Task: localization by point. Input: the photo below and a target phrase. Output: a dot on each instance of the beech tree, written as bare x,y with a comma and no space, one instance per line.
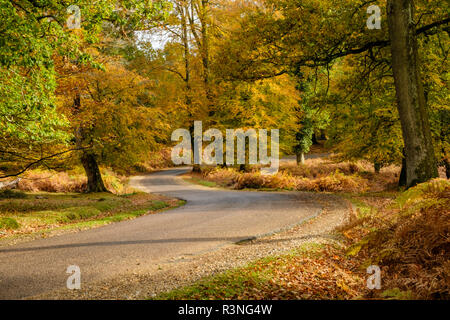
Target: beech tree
420,159
113,120
284,36
32,34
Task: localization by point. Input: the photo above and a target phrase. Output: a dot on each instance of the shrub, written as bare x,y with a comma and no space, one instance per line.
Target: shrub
46,181
315,168
280,181
226,177
250,181
335,182
114,182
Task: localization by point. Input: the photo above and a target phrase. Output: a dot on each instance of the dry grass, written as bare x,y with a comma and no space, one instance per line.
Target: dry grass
316,168
316,175
74,181
224,177
327,175
334,182
37,180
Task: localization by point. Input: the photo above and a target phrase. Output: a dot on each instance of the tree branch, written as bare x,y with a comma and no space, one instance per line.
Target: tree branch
40,161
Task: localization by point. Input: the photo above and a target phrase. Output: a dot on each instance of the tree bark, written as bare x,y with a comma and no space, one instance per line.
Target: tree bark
204,19
402,180
87,158
95,181
202,10
421,163
184,12
314,139
447,167
196,168
323,135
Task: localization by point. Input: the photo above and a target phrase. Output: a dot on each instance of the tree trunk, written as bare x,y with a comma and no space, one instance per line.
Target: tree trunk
314,139
95,181
420,159
447,167
245,168
184,12
204,19
87,158
402,180
300,158
202,10
377,167
323,135
196,168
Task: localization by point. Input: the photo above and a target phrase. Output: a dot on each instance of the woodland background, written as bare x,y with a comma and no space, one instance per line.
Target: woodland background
82,109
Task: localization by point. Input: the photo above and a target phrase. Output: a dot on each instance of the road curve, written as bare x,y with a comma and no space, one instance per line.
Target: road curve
211,218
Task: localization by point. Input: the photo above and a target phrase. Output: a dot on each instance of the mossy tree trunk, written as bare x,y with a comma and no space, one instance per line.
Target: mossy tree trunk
421,163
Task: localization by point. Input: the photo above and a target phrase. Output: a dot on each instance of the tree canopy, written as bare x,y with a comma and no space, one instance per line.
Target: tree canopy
113,85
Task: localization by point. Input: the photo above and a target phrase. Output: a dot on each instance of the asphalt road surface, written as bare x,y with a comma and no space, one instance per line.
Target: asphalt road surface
210,219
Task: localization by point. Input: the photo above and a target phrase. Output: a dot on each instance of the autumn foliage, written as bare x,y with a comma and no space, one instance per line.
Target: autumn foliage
409,238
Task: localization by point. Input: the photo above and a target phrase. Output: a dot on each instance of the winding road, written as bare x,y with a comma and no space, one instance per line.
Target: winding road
211,218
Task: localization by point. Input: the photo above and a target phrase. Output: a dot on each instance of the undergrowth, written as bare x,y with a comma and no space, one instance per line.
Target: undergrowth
315,175
410,239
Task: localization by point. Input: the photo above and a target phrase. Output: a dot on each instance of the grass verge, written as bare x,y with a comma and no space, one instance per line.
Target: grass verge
42,214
